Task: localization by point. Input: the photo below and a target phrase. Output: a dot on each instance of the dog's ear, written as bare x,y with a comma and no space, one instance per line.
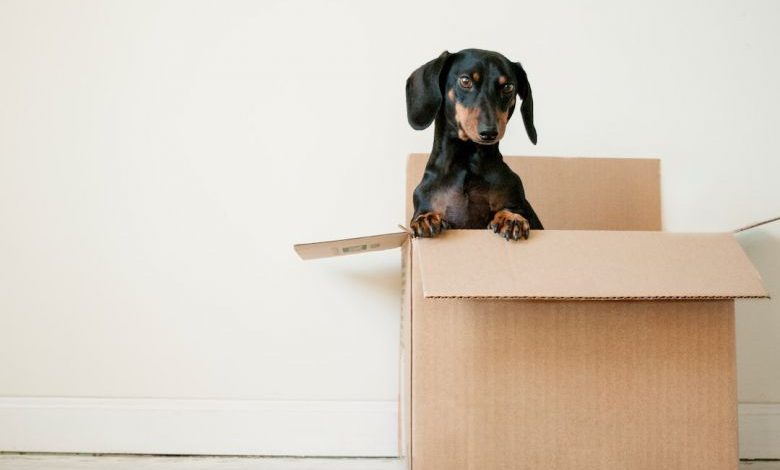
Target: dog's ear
423,93
527,107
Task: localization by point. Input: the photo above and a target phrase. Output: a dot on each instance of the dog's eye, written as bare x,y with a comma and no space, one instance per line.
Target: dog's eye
465,82
508,89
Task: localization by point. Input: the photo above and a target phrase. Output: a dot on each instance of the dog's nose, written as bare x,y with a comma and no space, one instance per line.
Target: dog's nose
488,134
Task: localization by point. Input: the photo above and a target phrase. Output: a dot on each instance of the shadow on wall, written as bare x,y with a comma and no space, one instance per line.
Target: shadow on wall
758,321
762,245
385,280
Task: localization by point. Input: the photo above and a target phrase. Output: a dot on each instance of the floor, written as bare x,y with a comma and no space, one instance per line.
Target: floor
127,462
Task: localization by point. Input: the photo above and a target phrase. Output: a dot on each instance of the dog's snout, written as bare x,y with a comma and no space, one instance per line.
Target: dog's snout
488,133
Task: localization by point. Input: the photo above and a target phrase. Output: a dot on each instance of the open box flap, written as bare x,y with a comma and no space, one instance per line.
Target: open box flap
563,265
350,246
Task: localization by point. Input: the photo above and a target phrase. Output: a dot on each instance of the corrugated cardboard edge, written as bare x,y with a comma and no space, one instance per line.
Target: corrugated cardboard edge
350,246
405,383
757,224
588,265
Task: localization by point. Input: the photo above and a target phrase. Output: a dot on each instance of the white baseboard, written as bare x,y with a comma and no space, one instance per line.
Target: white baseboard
759,431
251,427
202,427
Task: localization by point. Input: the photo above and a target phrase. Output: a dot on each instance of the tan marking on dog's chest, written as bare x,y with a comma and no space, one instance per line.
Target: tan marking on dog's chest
446,198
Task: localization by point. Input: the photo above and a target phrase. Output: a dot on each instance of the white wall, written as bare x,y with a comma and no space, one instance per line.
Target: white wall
159,159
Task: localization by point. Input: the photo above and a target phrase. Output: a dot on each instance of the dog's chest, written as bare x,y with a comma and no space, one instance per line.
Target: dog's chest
465,203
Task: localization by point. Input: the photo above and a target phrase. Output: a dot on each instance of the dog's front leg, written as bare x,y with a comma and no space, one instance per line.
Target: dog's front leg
428,224
510,225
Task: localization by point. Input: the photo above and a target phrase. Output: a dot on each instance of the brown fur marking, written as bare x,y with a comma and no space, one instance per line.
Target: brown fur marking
468,120
475,76
451,95
502,117
448,197
510,225
501,79
427,224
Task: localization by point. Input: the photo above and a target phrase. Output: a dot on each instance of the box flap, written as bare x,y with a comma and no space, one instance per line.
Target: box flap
584,265
576,193
350,246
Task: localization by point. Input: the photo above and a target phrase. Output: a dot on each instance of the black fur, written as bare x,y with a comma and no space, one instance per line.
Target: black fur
470,95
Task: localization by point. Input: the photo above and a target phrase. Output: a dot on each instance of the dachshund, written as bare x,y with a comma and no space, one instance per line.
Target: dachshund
471,95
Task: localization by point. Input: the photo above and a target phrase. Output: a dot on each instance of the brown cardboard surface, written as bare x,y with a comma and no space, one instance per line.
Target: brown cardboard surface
350,246
638,385
580,193
583,264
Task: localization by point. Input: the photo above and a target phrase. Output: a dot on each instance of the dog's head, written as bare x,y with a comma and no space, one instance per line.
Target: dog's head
475,89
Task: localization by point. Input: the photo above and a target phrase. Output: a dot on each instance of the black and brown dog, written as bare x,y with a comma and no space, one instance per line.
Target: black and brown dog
471,95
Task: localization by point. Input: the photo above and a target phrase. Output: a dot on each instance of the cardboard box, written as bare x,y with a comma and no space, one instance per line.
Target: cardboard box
600,343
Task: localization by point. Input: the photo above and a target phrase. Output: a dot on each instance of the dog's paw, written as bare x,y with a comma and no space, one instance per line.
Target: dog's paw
509,225
428,224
